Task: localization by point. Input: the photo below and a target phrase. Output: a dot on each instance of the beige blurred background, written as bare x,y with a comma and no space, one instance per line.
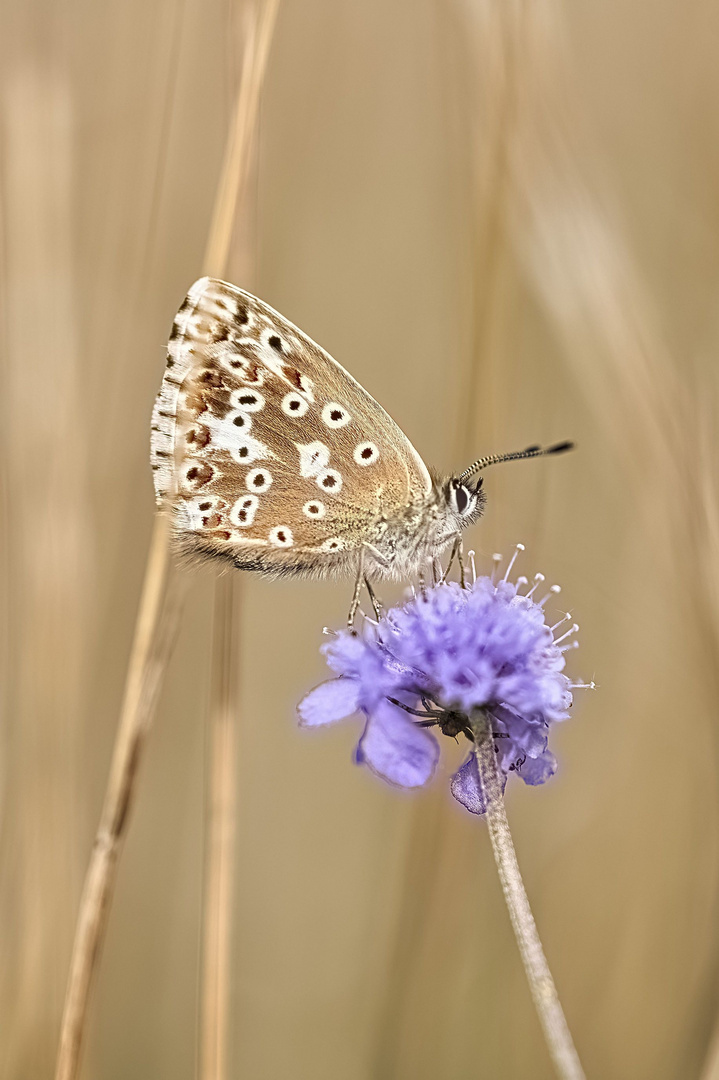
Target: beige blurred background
502,217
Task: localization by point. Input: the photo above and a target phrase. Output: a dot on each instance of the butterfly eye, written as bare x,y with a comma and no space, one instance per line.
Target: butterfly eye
461,498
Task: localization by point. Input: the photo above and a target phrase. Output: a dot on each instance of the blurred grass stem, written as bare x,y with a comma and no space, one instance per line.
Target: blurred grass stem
220,836
541,984
156,626
155,629
219,872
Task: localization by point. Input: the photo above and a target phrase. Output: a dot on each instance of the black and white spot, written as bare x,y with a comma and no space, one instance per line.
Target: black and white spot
334,415
330,480
314,457
258,480
281,536
233,362
244,450
196,474
314,509
247,401
366,453
243,512
239,420
204,511
335,543
294,405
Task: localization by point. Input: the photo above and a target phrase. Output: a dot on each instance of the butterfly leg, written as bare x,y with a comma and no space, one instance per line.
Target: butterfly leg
460,560
373,599
456,553
358,589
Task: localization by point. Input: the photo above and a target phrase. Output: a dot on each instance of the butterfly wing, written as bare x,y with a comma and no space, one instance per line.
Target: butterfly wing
270,453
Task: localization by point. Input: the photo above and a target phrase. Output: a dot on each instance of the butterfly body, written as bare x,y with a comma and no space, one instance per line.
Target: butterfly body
270,455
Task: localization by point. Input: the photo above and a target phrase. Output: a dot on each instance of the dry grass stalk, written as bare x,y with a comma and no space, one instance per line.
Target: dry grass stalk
49,568
157,621
219,836
224,706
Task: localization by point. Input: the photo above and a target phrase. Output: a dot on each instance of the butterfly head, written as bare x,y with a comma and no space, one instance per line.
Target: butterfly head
465,501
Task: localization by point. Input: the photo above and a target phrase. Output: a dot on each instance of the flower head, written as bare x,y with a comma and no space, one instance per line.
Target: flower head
435,660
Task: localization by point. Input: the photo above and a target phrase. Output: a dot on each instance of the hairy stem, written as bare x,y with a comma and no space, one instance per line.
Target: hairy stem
541,984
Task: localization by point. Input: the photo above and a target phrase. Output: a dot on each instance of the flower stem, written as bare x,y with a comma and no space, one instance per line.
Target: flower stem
541,984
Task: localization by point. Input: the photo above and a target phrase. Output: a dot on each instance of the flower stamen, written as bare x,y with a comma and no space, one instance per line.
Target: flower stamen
552,589
538,579
508,571
572,630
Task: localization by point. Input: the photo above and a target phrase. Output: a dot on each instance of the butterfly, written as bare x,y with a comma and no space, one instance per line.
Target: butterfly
273,458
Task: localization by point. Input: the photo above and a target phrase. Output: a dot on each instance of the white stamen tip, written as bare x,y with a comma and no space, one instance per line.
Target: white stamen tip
538,579
326,630
497,557
555,588
560,621
507,572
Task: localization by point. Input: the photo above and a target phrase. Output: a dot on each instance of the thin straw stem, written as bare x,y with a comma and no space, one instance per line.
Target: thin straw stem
219,870
157,622
541,984
220,837
236,165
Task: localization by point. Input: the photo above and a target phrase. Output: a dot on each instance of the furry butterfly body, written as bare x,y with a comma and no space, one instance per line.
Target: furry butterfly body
272,457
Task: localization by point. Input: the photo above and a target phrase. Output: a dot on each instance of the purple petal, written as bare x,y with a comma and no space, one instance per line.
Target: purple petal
466,788
328,702
396,749
538,770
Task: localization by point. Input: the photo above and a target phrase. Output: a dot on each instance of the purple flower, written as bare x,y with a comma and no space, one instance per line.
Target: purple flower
434,660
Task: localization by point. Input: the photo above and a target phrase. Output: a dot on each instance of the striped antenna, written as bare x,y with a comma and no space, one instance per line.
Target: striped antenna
530,452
